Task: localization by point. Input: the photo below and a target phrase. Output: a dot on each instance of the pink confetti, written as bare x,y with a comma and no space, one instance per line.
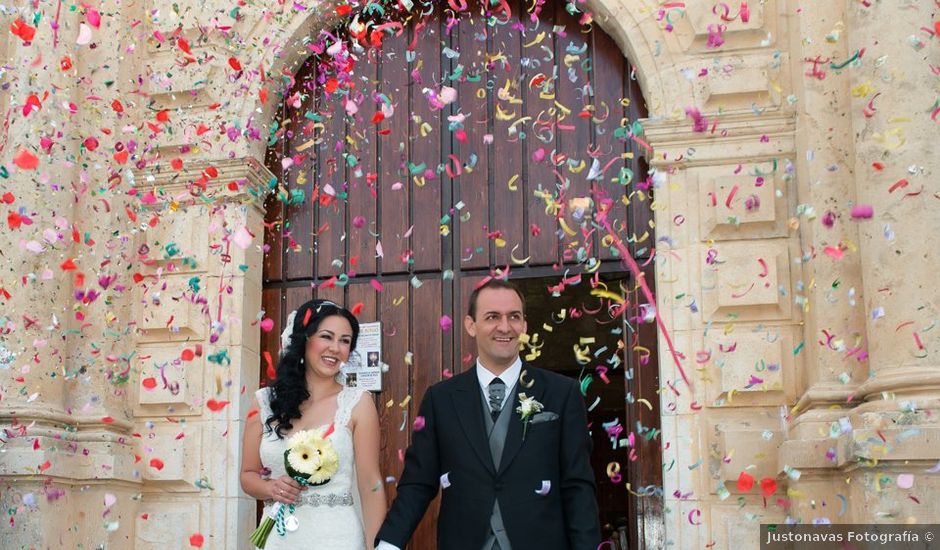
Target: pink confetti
446,323
862,211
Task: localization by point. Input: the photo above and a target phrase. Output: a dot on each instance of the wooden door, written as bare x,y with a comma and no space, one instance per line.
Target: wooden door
396,202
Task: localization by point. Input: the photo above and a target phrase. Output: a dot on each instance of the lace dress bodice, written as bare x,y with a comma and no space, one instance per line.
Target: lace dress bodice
328,515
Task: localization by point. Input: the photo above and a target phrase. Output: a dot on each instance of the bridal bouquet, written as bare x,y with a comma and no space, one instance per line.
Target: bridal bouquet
311,460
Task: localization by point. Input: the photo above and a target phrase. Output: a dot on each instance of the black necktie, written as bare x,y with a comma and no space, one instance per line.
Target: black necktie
497,390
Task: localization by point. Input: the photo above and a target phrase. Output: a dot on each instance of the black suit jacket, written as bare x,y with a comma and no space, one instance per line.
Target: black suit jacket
453,442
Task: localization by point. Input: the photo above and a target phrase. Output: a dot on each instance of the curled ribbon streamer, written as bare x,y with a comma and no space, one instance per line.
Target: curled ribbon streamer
640,277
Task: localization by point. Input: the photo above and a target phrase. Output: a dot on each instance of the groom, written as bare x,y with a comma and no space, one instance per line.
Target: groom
509,480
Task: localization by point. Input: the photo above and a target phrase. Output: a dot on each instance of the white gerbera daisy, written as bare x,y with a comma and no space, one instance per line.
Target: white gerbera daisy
304,458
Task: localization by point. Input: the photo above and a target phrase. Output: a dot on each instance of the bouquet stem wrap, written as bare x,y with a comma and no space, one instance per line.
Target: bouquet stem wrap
274,519
311,460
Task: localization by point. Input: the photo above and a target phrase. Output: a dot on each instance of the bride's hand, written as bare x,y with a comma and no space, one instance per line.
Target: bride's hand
285,490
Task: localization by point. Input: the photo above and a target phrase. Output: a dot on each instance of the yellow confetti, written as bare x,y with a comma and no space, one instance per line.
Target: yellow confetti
607,294
537,40
568,231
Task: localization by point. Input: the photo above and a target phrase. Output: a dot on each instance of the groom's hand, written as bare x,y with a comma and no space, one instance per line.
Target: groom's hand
284,490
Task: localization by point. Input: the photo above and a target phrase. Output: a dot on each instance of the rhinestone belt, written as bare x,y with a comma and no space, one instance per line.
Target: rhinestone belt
327,499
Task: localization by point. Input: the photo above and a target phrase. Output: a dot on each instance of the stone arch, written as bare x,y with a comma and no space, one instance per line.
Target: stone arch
632,26
677,68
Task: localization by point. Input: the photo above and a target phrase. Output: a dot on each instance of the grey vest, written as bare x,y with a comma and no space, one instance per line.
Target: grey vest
497,438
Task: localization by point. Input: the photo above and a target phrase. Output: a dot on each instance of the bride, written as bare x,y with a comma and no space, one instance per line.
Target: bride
346,512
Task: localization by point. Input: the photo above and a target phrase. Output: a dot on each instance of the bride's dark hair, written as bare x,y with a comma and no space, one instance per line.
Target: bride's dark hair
289,387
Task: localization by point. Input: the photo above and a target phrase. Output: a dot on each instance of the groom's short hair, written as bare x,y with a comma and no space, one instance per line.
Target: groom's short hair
493,283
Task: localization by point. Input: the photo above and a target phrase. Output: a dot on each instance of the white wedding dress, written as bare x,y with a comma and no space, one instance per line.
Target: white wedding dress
329,517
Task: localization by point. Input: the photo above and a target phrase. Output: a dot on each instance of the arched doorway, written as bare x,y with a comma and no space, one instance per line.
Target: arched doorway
469,144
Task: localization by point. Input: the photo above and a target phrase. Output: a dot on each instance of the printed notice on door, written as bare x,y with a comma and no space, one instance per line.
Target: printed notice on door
364,369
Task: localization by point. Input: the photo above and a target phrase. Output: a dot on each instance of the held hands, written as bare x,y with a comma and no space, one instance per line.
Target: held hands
285,490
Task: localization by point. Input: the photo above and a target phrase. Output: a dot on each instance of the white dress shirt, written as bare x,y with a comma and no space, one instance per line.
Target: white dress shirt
509,377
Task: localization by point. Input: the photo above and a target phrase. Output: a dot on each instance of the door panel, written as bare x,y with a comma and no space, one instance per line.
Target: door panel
409,204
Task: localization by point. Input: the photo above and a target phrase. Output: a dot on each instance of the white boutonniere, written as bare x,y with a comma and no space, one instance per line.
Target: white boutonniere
528,407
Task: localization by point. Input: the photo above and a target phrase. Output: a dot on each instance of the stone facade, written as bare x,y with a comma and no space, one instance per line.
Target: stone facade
810,349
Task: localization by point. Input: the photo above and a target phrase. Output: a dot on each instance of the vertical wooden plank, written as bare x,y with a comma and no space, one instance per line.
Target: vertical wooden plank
537,71
271,341
394,188
640,212
363,178
647,470
426,150
508,204
331,183
467,351
274,216
300,228
472,187
574,132
427,361
332,293
362,293
294,297
395,386
608,77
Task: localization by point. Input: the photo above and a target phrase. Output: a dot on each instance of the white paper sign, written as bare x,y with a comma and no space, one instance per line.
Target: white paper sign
364,369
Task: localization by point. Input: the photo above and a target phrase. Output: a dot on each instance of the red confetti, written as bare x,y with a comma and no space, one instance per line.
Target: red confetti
45,466
32,104
107,420
8,198
196,540
183,45
216,406
24,31
269,372
745,482
234,64
149,383
187,355
768,486
14,220
156,464
65,63
68,265
25,160
177,164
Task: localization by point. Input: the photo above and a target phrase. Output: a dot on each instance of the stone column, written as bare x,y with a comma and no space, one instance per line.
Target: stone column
831,293
198,355
893,115
65,462
896,168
